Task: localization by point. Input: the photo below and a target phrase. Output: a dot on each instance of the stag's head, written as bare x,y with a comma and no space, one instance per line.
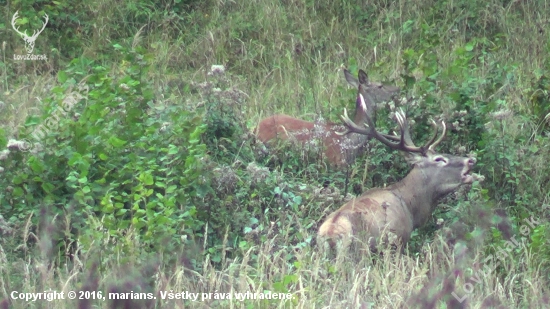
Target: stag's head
442,173
371,92
378,92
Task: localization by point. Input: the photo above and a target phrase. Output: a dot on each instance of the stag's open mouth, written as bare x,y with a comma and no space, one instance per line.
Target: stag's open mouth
466,176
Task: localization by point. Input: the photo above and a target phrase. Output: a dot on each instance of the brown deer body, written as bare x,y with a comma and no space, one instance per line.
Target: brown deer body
398,209
338,149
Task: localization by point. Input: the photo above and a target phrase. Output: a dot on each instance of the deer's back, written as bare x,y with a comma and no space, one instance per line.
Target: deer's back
368,215
280,126
322,135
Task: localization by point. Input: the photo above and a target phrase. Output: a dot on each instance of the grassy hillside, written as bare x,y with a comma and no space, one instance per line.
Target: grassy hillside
139,171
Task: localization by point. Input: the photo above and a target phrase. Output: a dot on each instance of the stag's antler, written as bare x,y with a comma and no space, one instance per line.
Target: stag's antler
402,142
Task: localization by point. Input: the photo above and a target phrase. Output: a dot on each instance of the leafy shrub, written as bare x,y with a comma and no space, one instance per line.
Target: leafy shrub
106,153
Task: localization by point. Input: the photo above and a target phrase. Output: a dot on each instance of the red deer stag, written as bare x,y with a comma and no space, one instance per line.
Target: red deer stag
399,208
339,150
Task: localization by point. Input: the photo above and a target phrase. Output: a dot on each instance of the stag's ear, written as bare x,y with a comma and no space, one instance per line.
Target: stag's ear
363,78
350,79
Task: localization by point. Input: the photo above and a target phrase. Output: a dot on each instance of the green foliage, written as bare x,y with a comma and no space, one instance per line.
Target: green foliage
539,98
80,24
115,159
3,138
539,237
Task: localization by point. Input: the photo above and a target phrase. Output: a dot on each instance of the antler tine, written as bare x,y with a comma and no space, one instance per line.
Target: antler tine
431,144
391,137
404,125
387,139
351,127
428,145
345,119
404,141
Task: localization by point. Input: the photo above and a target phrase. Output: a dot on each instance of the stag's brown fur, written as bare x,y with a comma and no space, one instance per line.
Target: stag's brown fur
339,150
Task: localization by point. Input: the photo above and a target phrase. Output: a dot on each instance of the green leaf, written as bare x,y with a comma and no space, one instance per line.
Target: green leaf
75,158
18,192
173,150
36,165
62,77
17,180
47,187
148,179
290,279
116,142
3,139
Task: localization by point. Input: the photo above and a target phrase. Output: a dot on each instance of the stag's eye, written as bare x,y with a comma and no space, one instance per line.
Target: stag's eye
440,159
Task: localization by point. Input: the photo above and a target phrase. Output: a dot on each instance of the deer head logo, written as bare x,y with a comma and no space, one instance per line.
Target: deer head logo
29,40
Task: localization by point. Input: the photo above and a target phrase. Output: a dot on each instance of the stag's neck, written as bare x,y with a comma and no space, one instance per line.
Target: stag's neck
418,192
364,112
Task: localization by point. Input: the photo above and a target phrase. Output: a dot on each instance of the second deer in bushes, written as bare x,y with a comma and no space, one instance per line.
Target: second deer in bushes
339,150
394,211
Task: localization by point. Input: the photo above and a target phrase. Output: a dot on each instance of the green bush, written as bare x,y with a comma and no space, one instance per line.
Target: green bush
108,152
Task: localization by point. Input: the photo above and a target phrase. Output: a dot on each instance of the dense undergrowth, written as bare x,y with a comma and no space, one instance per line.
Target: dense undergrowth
140,170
